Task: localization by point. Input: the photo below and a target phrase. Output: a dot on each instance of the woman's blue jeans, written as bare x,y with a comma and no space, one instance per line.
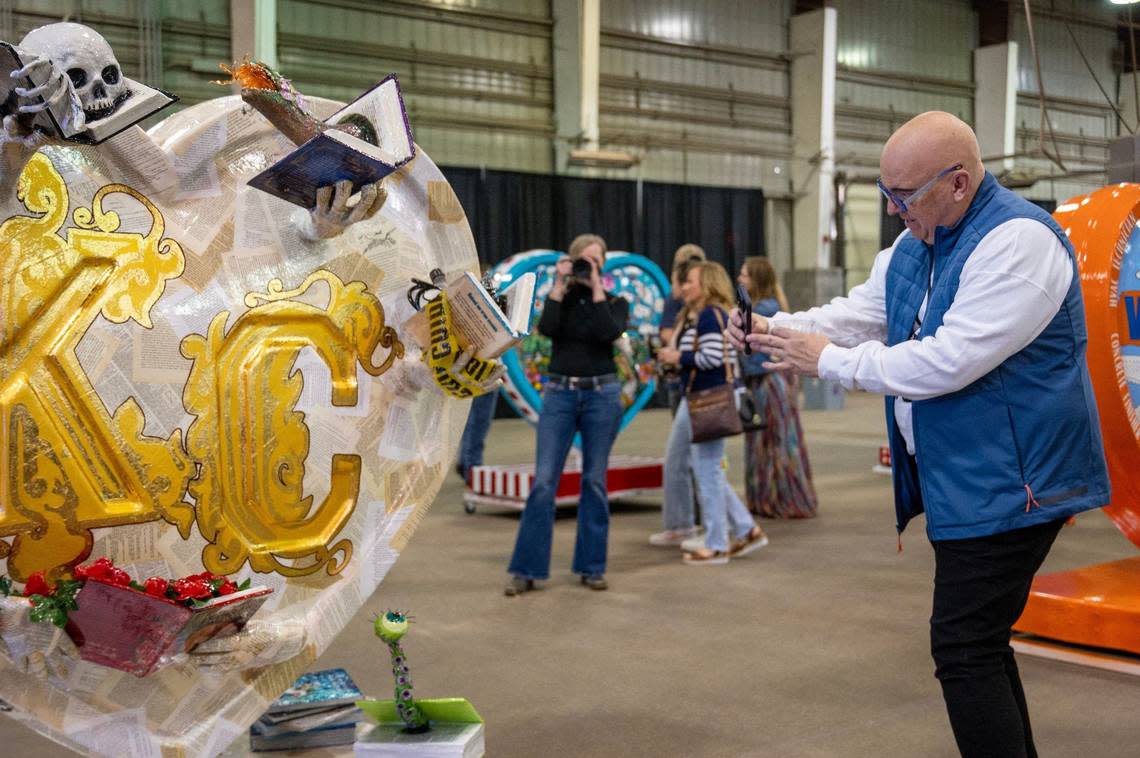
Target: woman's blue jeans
677,505
596,414
475,432
721,506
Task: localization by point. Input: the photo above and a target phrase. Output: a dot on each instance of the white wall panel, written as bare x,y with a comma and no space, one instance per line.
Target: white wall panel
1064,72
476,74
698,90
926,37
757,24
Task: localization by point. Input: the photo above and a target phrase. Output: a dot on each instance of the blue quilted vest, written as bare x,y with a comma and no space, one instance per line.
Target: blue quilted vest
1019,446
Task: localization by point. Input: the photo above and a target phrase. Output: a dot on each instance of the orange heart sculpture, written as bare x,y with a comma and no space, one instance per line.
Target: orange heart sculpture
1102,228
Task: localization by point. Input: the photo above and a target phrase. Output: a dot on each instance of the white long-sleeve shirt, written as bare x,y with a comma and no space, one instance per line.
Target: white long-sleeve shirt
1010,288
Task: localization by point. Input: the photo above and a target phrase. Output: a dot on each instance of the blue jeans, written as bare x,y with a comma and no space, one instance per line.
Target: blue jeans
475,432
677,505
597,415
721,508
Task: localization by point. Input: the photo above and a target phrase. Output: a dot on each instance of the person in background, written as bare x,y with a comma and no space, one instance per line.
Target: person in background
973,326
475,433
581,395
685,256
681,509
703,356
777,474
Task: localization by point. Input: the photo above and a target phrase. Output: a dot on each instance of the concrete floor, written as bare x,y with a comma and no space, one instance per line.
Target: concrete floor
815,647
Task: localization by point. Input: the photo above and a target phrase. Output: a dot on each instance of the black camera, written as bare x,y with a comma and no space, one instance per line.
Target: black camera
581,270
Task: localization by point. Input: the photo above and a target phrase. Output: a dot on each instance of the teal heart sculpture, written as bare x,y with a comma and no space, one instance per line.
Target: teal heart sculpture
634,277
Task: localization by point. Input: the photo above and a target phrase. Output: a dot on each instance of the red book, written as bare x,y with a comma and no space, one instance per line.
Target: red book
130,630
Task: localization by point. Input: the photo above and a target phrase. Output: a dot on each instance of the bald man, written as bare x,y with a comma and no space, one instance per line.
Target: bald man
972,325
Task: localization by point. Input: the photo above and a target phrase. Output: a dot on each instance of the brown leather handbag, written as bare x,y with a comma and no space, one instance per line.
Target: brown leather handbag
713,413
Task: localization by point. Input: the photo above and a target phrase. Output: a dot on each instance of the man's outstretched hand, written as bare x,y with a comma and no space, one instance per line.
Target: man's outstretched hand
790,350
735,330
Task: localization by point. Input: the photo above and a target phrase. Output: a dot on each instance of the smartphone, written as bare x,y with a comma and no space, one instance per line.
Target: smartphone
744,304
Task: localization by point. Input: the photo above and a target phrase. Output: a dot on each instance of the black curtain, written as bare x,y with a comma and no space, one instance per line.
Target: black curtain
513,211
727,222
601,206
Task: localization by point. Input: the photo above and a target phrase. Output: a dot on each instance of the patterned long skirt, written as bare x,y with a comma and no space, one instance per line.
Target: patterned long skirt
777,474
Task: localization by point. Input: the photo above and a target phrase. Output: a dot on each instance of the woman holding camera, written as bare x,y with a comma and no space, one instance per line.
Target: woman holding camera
703,355
777,474
581,395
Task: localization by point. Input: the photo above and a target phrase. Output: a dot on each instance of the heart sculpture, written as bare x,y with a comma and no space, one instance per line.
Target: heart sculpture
1106,239
634,277
187,384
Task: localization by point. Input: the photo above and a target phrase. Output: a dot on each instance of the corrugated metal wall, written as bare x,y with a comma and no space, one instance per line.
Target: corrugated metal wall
195,39
895,59
476,75
698,89
1082,120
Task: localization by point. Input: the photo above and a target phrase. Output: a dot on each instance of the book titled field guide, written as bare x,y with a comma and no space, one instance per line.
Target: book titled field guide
334,155
481,324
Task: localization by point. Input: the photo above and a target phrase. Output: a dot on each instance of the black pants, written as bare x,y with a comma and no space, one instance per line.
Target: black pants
981,586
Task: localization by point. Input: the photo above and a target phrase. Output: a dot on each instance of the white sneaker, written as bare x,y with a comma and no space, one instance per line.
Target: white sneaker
693,544
672,537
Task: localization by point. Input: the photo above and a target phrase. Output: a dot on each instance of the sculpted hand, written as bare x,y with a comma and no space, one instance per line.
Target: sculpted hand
332,214
54,91
791,350
259,643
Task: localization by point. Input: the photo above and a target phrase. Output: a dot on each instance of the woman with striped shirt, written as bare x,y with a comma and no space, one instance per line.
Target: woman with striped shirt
702,353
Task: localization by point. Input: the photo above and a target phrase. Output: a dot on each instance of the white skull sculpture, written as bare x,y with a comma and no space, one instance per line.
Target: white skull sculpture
87,59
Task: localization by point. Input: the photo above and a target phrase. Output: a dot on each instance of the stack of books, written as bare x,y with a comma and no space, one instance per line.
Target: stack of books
456,731
443,741
317,711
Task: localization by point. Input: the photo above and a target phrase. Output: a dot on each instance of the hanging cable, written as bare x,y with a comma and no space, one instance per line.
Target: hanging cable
1055,156
1092,73
1135,73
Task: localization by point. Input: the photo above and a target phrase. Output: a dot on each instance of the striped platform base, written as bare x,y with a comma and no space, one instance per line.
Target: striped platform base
508,486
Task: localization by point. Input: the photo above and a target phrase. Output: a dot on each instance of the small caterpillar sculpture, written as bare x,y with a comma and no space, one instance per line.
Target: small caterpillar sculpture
390,627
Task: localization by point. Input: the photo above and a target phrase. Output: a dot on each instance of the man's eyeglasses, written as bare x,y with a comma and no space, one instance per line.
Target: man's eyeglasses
906,198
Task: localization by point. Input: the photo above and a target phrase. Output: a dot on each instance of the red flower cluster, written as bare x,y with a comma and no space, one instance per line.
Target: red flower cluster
200,587
36,585
103,570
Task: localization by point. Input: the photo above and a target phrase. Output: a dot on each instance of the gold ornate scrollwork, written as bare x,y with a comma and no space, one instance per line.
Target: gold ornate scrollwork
67,465
251,444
